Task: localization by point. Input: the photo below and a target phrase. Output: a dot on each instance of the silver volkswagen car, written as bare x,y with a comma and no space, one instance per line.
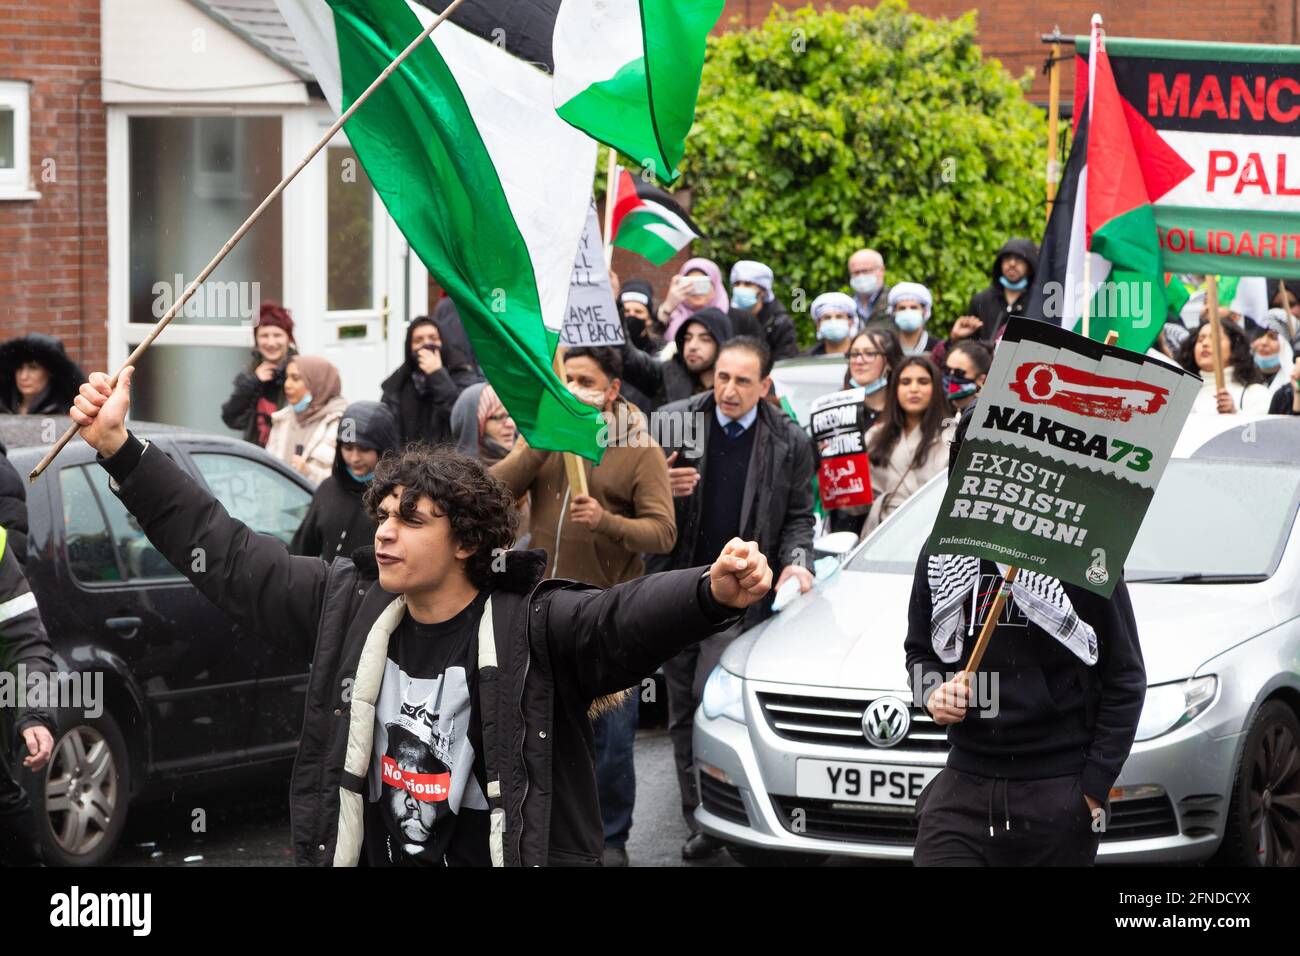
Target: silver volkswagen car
808,746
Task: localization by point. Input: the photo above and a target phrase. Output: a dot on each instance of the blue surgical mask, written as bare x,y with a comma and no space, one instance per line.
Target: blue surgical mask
364,479
1269,363
1014,286
872,387
301,407
743,298
864,283
909,320
833,330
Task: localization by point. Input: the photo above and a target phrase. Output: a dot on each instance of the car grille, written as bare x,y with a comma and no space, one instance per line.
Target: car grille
1141,819
722,800
855,823
838,721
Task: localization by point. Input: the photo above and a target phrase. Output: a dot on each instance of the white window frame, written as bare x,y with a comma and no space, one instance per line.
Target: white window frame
16,183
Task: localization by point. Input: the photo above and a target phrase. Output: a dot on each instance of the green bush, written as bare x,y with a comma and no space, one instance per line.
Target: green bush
818,133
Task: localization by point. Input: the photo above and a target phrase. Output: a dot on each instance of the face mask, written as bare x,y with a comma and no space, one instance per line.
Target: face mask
909,320
833,330
1015,286
864,283
364,479
872,387
301,407
742,298
1269,363
588,396
958,387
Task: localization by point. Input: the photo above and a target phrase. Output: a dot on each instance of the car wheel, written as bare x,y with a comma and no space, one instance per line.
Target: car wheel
752,856
1263,826
80,799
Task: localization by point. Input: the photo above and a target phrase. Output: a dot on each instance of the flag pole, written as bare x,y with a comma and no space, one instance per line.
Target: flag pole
611,192
1212,303
239,234
1087,286
1053,109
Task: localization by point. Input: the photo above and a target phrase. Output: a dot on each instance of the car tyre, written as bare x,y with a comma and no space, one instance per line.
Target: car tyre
753,856
80,799
1263,827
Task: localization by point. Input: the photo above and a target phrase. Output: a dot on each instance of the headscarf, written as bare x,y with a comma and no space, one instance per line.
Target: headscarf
683,310
469,418
911,290
322,380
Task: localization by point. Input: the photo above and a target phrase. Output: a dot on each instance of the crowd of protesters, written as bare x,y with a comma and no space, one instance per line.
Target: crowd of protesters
704,351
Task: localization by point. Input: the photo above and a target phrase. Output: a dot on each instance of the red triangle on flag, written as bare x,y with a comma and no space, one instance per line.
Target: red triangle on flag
1129,163
625,199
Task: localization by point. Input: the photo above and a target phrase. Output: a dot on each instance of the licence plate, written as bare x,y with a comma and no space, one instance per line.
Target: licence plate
862,782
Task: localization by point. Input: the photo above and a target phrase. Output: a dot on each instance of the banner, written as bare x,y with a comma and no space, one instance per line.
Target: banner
843,473
1067,443
591,317
1218,121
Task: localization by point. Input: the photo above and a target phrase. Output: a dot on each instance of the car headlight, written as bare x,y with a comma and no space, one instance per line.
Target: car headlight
1169,706
723,695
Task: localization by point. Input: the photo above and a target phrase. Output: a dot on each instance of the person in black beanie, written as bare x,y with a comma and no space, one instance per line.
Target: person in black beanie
1040,734
258,393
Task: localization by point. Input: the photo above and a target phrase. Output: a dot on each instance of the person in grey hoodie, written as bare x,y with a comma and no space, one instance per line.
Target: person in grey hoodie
337,523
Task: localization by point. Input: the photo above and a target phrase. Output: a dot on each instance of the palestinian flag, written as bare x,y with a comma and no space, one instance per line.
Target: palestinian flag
1117,168
648,221
487,183
626,71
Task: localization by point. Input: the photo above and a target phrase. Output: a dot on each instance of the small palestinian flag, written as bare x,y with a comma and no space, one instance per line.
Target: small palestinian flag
649,222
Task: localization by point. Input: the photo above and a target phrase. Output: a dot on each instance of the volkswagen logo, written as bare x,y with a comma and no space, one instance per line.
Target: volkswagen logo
885,721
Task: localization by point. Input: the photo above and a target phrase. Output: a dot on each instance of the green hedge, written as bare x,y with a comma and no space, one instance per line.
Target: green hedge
818,133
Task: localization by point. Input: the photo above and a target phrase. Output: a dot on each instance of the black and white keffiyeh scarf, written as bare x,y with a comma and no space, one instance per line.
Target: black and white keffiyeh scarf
954,579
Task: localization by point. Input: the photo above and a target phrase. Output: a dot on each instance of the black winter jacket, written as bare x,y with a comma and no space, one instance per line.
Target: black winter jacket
22,635
426,418
778,508
1055,715
13,506
989,305
670,381
556,646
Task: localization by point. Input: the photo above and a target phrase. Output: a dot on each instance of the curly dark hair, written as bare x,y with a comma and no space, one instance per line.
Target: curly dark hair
480,508
1239,357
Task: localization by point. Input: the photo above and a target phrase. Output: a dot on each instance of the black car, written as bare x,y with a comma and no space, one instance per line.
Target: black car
188,696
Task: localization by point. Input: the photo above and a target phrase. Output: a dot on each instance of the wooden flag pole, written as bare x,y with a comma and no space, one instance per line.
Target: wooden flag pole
1053,108
1212,302
574,469
611,192
256,214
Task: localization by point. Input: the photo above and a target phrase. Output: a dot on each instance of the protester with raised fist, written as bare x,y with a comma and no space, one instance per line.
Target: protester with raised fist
441,630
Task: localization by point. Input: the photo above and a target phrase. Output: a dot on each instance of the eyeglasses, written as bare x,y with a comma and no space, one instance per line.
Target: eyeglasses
499,417
859,354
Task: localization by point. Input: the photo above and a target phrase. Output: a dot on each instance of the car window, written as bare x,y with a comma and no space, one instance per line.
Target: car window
254,493
143,561
91,555
894,547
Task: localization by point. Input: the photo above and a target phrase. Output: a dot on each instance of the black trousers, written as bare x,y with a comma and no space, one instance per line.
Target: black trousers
968,820
18,841
685,675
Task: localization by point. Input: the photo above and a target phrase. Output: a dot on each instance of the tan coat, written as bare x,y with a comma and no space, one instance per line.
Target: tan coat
897,480
631,484
317,438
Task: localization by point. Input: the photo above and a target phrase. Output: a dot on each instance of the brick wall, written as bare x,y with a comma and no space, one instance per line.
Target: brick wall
54,255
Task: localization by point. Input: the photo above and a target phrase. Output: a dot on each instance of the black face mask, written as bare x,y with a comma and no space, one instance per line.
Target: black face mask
957,386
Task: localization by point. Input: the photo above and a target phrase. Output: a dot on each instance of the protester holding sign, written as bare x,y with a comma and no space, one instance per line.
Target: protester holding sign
1242,381
909,445
1040,734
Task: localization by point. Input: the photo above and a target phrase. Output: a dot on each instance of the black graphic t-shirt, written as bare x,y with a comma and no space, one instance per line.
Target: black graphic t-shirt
425,801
